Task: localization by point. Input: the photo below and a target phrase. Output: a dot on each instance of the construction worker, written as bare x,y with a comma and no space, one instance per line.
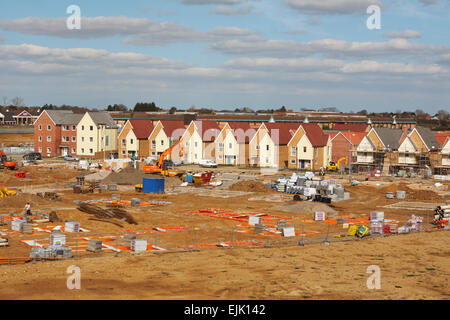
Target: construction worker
28,209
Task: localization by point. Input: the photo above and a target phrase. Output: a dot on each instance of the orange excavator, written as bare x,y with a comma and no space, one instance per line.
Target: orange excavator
5,163
161,166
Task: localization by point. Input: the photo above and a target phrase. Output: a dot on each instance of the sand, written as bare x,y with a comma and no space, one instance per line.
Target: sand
250,186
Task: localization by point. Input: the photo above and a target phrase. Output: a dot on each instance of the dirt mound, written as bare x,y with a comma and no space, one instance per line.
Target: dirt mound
19,201
250,186
127,176
412,194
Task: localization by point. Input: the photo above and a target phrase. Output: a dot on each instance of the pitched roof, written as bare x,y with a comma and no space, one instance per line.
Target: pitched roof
242,131
355,138
315,134
282,132
389,136
208,130
355,127
102,118
428,138
442,138
173,128
142,128
64,117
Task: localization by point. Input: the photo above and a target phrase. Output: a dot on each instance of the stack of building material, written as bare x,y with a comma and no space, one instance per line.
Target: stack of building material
27,228
17,224
400,194
61,251
319,216
57,238
390,195
94,245
288,232
377,222
37,252
112,187
415,223
135,202
260,228
252,220
138,245
72,226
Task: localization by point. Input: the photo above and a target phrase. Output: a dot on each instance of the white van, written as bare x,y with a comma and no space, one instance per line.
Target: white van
207,163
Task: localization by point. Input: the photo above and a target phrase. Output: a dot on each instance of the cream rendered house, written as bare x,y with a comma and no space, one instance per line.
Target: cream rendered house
407,152
96,132
192,144
365,151
231,145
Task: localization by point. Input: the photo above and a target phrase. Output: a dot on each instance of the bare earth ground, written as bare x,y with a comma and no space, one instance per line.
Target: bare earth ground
14,139
415,266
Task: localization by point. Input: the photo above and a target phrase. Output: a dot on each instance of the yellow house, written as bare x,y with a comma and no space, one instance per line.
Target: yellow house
163,135
96,132
133,140
268,147
198,141
309,148
231,145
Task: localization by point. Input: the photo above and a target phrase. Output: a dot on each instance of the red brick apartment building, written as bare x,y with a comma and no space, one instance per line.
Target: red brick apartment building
55,133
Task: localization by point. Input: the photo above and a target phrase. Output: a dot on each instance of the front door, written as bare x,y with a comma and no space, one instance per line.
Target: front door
302,164
65,151
228,160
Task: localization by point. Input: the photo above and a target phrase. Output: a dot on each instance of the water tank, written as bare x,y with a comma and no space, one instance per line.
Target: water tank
153,185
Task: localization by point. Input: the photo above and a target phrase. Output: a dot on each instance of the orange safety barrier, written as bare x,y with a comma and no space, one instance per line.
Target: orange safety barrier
252,243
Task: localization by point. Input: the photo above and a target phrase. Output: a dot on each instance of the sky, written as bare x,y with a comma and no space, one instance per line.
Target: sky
228,54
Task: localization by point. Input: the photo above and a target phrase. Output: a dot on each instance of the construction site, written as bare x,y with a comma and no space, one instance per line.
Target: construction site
189,232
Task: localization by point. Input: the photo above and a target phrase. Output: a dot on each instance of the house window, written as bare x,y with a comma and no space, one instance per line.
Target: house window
74,139
195,144
40,138
82,139
230,145
123,152
82,128
293,151
107,141
49,139
91,151
365,154
220,147
40,127
124,142
257,147
293,161
91,128
195,156
153,153
49,127
267,147
49,150
267,160
153,143
91,139
162,142
66,128
131,141
304,149
74,128
40,149
220,156
73,150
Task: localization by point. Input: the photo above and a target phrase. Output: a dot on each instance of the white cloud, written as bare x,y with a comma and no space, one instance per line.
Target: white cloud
331,6
136,31
231,11
207,2
406,34
327,47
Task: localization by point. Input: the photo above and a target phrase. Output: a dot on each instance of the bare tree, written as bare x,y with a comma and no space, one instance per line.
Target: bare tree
443,115
17,101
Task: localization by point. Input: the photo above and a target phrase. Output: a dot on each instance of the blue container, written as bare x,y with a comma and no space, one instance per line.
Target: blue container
189,178
153,185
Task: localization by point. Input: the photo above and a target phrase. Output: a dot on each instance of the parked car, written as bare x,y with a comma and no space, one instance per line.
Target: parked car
207,163
71,158
32,156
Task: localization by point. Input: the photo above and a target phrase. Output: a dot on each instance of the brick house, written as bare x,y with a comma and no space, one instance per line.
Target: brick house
344,144
55,133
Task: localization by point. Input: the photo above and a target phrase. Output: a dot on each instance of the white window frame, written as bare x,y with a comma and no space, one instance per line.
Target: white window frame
40,138
49,139
40,127
293,151
74,139
49,150
49,127
91,151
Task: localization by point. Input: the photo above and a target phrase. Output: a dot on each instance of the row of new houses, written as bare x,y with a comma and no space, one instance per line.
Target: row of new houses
270,144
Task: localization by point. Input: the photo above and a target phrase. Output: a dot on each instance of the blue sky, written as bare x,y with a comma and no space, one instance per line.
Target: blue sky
228,54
